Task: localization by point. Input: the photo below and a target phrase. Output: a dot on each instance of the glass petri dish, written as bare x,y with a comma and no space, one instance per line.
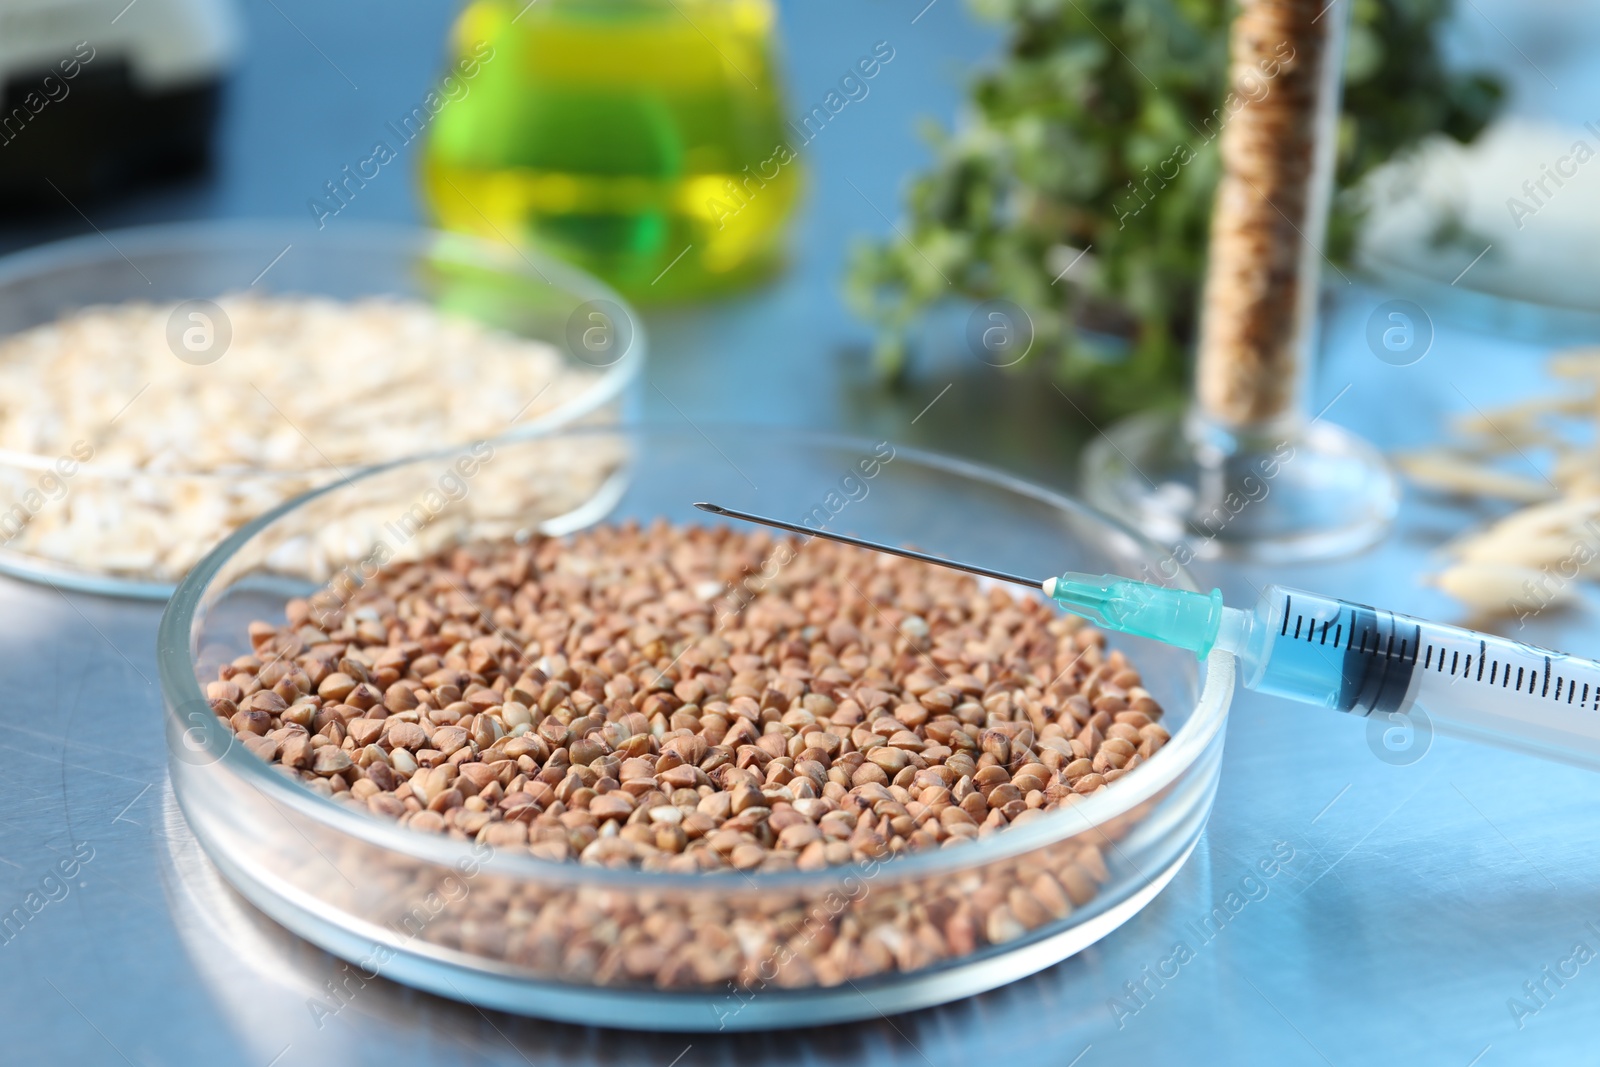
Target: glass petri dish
450,916
1462,232
93,511
1496,312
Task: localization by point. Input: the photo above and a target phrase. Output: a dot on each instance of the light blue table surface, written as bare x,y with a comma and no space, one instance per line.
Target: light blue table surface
1419,899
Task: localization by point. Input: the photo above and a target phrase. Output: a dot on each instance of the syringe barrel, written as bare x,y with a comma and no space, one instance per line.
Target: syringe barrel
1350,657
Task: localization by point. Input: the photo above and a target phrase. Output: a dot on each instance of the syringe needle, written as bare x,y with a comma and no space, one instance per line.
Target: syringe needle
1176,616
858,542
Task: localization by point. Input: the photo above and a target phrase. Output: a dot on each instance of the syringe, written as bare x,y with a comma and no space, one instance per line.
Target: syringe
1349,657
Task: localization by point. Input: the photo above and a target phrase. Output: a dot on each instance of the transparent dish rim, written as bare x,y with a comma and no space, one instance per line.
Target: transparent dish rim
1481,310
175,651
212,235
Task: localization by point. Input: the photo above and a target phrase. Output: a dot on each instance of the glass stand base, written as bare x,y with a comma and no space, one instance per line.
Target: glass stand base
1281,493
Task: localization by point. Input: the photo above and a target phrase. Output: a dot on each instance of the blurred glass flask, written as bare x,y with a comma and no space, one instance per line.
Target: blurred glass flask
639,139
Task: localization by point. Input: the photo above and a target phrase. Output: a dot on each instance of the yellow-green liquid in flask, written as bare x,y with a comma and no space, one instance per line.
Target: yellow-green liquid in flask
639,139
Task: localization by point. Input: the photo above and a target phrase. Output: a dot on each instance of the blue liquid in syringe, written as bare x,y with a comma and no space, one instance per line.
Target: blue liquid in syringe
1353,658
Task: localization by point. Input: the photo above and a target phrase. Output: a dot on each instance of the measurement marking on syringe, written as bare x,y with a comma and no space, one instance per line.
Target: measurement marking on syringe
1390,643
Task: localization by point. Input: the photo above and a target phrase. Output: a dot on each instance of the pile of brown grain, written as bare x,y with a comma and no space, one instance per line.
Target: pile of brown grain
641,697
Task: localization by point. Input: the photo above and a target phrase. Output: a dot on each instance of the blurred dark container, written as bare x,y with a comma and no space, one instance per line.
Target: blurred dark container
98,97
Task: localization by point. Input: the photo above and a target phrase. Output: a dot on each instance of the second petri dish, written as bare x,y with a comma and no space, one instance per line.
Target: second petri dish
353,883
